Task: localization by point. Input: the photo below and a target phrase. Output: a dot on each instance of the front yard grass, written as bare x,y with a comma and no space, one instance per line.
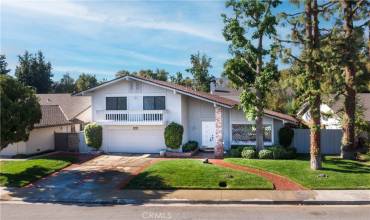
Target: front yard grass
21,173
338,173
193,174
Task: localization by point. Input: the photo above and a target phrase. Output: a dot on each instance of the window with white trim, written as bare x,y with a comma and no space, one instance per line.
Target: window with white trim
244,133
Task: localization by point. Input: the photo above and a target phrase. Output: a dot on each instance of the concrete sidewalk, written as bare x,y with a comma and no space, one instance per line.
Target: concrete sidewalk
328,197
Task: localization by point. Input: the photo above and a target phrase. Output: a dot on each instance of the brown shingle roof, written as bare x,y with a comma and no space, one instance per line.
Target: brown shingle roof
52,115
71,105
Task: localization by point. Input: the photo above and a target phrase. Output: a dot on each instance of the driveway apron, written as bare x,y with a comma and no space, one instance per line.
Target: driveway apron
98,178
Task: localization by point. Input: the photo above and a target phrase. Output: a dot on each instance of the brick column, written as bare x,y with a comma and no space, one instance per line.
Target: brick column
219,148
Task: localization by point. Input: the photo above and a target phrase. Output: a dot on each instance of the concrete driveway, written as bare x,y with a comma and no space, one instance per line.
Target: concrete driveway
100,177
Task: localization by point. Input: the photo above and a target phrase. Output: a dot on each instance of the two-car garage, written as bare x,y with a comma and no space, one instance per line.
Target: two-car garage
133,139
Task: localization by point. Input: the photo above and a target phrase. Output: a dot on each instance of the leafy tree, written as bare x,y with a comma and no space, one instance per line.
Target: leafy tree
34,71
252,68
3,65
161,74
20,110
180,80
85,81
122,73
282,96
158,74
199,70
65,85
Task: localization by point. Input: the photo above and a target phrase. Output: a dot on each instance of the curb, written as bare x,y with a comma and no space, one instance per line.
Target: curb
191,202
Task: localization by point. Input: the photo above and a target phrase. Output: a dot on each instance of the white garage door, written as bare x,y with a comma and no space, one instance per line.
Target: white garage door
146,139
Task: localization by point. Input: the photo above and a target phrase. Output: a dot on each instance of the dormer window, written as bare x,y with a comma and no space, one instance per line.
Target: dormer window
154,103
116,103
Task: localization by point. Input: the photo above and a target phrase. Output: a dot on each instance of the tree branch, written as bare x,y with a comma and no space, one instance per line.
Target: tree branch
358,5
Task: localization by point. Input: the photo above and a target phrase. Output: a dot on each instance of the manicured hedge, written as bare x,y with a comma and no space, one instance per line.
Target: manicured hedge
249,153
280,152
190,146
265,154
94,135
173,135
286,135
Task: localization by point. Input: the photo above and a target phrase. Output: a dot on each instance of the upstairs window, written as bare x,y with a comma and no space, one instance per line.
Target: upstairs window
154,103
116,103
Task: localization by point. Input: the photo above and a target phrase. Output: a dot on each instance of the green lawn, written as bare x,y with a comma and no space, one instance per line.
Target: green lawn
340,174
193,174
21,173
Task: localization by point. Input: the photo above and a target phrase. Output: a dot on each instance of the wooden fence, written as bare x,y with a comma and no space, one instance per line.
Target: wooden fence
330,140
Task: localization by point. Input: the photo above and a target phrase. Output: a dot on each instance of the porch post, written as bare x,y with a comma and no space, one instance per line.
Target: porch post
219,149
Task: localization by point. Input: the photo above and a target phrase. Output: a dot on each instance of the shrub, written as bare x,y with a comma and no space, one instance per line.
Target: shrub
286,135
265,154
190,146
94,135
235,152
249,153
173,135
291,152
280,152
241,147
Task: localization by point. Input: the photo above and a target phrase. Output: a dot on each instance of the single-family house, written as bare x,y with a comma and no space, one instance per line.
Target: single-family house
134,112
61,113
331,112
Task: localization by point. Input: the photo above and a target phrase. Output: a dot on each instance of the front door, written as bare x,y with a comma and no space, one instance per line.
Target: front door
208,133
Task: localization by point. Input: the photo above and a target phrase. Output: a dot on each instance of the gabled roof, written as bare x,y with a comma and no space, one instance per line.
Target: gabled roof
223,101
178,88
363,100
72,106
52,115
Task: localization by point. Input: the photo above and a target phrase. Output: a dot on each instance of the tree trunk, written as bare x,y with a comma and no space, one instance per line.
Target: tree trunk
315,151
259,132
259,108
348,141
313,47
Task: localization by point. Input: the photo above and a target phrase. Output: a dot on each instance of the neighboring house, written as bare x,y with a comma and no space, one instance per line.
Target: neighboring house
61,113
330,113
76,108
134,112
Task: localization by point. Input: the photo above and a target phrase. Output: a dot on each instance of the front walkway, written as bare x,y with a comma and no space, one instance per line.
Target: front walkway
279,182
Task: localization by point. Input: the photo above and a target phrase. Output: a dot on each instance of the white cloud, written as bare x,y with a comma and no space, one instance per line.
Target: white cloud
55,8
139,19
152,59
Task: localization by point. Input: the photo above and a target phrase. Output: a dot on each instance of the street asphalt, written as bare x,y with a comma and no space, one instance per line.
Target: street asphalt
22,211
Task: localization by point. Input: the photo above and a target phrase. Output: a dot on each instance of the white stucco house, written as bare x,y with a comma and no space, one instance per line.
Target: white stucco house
134,112
331,113
61,113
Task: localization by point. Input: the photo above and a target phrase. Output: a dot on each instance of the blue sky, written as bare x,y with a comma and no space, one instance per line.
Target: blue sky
103,37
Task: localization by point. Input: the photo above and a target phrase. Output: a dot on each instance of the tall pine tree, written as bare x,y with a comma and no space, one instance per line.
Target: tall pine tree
34,71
